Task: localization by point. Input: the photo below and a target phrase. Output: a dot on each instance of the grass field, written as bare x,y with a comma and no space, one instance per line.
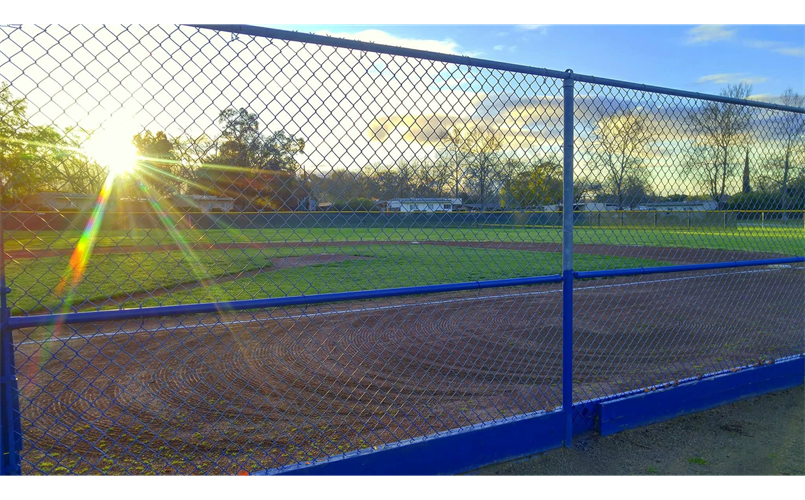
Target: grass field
161,277
786,240
162,274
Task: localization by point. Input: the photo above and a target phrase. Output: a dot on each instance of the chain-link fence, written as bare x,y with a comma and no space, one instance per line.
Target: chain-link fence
240,249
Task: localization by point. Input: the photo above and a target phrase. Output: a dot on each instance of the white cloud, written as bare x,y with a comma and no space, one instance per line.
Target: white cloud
710,33
510,48
761,44
725,78
791,51
764,98
542,29
776,47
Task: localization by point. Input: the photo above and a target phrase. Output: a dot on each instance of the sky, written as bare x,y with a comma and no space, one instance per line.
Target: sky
356,109
699,58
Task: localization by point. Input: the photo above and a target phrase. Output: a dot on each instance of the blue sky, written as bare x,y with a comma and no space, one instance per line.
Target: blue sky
699,58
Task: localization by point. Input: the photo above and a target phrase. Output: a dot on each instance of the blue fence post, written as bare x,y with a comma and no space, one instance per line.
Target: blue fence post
10,431
567,262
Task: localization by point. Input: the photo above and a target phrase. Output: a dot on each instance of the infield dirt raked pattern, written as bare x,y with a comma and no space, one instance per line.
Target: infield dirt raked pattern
255,390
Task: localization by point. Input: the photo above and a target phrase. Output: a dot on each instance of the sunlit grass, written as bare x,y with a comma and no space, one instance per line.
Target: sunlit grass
170,278
789,241
396,266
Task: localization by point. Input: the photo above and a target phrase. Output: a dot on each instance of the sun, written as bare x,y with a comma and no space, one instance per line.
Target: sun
112,147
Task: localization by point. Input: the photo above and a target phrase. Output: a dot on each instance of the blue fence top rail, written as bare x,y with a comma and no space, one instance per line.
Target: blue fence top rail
481,63
17,322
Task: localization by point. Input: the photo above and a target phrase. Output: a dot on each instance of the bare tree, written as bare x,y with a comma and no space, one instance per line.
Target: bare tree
720,128
454,156
584,187
482,171
793,129
622,144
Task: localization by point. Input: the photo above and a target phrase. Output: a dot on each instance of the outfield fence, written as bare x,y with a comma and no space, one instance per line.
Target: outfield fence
349,258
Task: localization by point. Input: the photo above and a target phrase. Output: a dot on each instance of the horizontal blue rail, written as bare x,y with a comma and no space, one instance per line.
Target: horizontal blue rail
17,322
636,271
329,41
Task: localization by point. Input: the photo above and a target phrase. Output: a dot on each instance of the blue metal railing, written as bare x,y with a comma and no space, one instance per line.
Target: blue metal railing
17,322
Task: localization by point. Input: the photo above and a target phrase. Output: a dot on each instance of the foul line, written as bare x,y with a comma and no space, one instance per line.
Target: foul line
377,308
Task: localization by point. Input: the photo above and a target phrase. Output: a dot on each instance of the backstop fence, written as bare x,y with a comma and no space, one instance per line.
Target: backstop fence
229,249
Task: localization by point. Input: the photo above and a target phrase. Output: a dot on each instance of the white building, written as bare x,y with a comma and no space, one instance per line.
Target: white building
682,206
583,207
422,204
59,201
204,203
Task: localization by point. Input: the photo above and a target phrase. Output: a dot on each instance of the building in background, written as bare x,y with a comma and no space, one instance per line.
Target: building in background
59,201
420,205
204,203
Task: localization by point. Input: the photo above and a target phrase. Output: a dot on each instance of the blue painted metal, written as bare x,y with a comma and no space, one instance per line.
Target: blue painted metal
10,429
663,404
10,425
17,322
634,271
471,61
567,259
475,446
454,452
567,355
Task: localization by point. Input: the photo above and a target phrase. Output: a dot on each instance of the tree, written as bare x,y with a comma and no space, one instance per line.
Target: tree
37,158
256,170
483,149
747,186
720,128
793,129
153,147
623,140
584,188
536,185
454,156
22,147
70,170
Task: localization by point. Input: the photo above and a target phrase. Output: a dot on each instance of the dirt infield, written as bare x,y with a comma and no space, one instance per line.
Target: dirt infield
249,391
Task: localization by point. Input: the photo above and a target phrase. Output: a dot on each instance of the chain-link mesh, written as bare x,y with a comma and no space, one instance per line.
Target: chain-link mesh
172,165
162,166
686,181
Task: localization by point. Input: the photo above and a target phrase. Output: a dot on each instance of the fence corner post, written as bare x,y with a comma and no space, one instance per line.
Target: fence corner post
10,432
567,259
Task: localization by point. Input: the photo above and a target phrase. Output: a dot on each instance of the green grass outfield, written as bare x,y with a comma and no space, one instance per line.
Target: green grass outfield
750,237
171,276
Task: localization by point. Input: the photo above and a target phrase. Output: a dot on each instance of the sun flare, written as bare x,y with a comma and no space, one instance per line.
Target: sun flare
112,147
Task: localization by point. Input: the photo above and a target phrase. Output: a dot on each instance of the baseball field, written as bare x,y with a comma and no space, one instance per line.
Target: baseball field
232,392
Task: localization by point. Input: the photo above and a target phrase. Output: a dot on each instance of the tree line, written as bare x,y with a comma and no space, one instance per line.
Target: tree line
259,169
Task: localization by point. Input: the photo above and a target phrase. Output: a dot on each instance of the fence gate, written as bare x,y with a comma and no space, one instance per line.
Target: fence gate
233,250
